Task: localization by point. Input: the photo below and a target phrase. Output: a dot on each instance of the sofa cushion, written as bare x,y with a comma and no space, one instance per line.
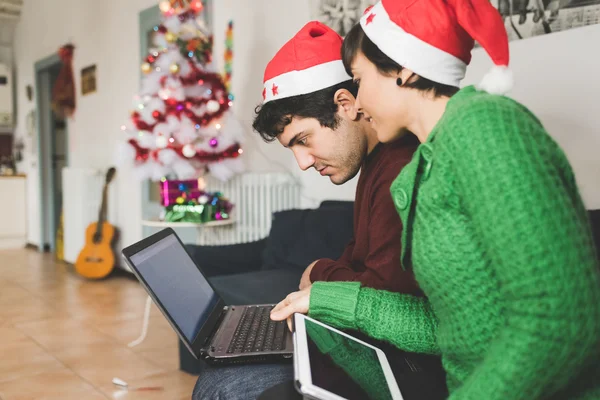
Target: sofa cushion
259,287
228,259
298,237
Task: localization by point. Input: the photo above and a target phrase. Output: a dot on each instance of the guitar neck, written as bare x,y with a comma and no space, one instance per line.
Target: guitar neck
102,213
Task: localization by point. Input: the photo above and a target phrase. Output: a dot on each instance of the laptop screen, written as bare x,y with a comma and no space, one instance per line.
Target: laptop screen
177,283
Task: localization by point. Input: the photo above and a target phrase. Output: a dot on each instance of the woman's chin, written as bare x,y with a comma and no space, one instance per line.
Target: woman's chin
387,136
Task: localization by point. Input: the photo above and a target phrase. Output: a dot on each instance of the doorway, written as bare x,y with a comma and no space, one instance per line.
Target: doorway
52,154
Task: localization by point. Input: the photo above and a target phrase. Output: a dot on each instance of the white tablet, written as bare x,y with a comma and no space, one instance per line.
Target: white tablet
331,365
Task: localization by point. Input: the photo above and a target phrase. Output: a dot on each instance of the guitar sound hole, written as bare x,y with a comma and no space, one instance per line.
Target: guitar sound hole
94,259
97,238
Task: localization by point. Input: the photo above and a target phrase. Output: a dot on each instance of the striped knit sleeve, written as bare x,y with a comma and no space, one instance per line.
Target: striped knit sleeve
406,321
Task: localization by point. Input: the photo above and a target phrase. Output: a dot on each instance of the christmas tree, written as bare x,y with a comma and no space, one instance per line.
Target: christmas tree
182,126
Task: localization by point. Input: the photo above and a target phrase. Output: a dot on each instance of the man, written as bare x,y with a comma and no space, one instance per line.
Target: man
309,108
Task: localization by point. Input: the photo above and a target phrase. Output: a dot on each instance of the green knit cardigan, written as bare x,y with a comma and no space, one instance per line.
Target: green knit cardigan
499,240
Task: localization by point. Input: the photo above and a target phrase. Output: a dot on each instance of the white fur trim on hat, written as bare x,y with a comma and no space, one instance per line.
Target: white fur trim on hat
409,51
309,80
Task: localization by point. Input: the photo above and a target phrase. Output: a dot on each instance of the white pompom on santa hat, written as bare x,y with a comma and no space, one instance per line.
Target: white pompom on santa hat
308,62
434,38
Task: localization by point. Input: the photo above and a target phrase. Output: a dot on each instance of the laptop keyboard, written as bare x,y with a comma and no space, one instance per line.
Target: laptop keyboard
256,332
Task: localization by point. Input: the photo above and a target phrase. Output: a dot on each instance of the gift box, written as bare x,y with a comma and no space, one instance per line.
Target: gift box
171,190
184,201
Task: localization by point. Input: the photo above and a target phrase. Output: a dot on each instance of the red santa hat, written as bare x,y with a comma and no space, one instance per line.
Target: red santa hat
308,62
434,38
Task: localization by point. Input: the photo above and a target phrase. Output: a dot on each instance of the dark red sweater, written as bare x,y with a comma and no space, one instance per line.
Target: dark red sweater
373,255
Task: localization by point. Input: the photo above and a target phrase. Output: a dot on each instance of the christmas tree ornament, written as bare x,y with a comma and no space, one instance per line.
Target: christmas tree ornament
174,68
196,6
162,142
213,106
146,68
164,6
214,142
189,151
171,37
178,3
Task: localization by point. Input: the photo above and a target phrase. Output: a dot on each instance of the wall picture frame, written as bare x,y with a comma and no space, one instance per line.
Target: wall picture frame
88,80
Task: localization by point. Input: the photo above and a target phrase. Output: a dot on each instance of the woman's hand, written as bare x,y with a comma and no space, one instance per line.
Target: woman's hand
296,302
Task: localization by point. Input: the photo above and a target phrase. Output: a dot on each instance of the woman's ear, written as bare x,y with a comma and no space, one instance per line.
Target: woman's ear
406,76
346,101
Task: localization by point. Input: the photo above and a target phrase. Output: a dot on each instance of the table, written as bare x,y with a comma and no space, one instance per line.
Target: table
201,237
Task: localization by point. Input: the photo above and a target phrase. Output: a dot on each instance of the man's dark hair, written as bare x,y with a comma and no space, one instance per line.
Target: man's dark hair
357,40
272,118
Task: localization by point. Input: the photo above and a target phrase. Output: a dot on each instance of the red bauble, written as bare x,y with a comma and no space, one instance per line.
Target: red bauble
156,114
196,6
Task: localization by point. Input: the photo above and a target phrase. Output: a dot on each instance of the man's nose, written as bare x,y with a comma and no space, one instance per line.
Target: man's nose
304,159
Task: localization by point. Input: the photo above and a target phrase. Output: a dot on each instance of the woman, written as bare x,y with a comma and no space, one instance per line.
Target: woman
494,226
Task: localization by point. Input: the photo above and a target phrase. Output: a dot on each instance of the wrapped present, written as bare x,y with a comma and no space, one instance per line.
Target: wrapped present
184,201
172,190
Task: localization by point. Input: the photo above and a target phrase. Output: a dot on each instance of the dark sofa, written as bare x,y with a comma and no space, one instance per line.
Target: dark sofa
268,270
265,271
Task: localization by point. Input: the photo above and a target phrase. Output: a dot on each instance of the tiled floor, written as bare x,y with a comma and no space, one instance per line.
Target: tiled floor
63,337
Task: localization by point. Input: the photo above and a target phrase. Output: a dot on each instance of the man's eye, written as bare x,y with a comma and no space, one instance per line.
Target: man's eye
302,141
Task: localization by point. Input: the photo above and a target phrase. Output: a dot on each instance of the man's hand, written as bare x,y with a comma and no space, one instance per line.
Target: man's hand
305,280
296,302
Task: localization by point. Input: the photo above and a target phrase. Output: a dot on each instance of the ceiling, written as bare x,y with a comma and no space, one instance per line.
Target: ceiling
10,12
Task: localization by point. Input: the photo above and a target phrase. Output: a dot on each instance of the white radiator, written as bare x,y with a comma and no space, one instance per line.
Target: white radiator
82,196
256,196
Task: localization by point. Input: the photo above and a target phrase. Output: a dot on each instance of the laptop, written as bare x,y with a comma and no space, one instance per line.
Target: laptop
211,330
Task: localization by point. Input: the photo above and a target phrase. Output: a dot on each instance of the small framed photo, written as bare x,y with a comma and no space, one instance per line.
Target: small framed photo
88,80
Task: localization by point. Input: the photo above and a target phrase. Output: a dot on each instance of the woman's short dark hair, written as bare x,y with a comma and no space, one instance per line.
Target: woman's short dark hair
272,118
357,40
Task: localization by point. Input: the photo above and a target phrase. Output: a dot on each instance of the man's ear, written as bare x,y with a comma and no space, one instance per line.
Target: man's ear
346,101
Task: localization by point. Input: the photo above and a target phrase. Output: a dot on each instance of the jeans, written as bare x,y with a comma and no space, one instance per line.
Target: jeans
243,382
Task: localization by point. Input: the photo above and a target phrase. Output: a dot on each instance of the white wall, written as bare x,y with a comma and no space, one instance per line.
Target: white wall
106,34
561,88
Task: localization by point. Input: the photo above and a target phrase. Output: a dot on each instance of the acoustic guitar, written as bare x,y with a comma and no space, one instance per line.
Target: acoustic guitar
97,259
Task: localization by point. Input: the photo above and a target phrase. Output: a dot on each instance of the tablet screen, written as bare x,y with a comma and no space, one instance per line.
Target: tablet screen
344,366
